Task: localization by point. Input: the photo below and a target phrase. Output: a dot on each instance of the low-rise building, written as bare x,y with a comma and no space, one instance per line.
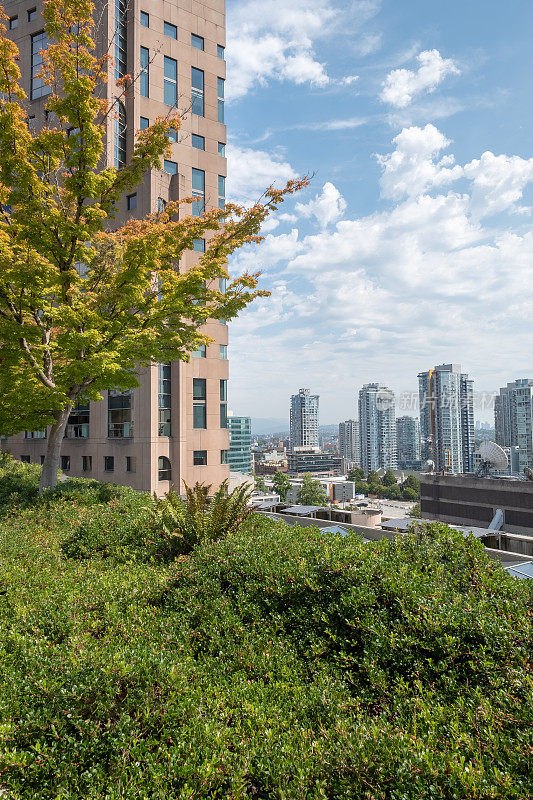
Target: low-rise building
304,459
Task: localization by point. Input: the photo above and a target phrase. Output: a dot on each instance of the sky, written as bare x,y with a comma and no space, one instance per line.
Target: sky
413,245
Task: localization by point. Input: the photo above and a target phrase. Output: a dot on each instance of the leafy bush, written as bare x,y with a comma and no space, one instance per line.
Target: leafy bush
275,663
122,529
181,525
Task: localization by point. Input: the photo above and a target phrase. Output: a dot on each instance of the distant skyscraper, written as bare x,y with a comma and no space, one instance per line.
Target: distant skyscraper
377,423
408,442
304,419
513,418
447,417
240,444
350,441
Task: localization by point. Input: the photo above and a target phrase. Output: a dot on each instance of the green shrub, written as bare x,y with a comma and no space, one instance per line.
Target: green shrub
275,663
121,529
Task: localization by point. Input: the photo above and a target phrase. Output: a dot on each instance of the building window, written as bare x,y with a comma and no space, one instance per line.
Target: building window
220,97
172,135
131,464
198,245
145,123
32,14
197,41
164,469
120,135
120,415
220,51
200,352
197,92
35,434
164,398
121,38
39,42
198,142
223,350
199,403
145,72
222,285
170,30
78,422
223,456
223,390
170,166
145,19
222,149
170,87
199,458
109,463
87,463
13,23
198,191
131,202
42,460
25,459
223,415
161,206
65,463
221,191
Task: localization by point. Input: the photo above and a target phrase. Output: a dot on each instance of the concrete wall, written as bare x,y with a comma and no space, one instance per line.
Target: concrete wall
466,500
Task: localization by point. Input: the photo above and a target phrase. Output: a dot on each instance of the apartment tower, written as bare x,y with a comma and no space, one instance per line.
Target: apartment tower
350,442
408,442
377,423
513,417
447,418
172,428
304,419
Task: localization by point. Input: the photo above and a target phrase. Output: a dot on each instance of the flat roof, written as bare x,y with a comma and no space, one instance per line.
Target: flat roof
302,510
403,524
523,571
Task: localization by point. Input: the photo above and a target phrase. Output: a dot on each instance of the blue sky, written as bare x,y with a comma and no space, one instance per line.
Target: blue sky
413,246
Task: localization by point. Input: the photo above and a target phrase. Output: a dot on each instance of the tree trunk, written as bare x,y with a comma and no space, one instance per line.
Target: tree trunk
53,450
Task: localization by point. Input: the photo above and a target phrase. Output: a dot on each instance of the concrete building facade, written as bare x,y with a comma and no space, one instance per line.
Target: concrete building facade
446,398
408,442
172,428
513,418
377,424
304,419
350,441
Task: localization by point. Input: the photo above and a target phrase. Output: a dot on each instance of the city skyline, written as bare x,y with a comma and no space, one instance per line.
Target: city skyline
412,244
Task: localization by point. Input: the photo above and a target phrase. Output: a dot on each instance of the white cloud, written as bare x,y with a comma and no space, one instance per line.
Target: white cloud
368,43
411,167
349,80
250,172
276,40
382,296
326,208
498,182
402,85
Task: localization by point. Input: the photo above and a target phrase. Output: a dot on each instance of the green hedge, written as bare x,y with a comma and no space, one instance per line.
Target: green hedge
281,663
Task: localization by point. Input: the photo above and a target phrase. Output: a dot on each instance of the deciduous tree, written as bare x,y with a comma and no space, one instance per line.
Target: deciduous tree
281,484
311,493
84,305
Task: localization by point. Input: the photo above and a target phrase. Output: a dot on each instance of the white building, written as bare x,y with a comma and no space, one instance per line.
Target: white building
377,423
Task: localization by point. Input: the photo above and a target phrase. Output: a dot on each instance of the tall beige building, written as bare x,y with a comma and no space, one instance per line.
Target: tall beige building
173,427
